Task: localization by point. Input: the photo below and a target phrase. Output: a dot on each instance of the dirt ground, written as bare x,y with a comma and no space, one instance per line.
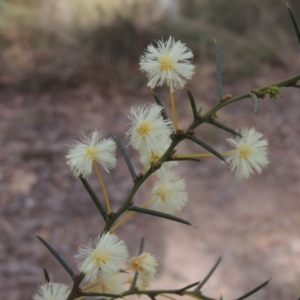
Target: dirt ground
253,224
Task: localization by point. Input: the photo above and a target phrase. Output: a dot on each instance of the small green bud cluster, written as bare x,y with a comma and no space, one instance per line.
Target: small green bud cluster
273,91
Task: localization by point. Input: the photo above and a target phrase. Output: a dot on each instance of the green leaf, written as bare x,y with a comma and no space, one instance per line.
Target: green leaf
46,274
255,103
254,290
219,70
205,146
193,105
201,284
57,256
127,159
224,127
158,214
94,198
294,23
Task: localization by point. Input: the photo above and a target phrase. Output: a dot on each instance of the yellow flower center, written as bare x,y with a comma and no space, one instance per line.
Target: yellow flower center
154,156
136,263
244,151
144,128
100,257
166,63
161,193
91,152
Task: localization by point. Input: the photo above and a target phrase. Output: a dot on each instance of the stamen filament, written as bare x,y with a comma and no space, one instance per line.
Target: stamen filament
174,115
90,286
208,154
103,186
226,153
126,217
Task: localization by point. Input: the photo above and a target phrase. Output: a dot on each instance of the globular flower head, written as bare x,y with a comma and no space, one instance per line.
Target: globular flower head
149,131
250,153
145,264
112,285
104,259
141,284
168,194
152,156
82,154
167,63
52,291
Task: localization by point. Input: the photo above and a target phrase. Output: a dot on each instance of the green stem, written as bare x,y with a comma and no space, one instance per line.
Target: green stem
137,185
284,83
124,207
77,281
159,292
176,140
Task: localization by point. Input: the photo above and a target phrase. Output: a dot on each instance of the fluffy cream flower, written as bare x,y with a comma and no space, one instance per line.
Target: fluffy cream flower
112,285
168,193
149,131
250,153
104,259
142,283
82,154
52,291
167,63
152,156
145,264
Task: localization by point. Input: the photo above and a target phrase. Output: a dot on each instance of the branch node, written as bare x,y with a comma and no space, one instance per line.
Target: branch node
111,215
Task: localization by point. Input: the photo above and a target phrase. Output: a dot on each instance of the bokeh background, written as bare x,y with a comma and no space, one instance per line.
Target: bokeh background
71,66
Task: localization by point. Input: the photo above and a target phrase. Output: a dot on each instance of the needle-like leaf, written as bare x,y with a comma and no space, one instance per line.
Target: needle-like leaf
185,158
294,22
219,70
201,284
127,159
224,127
163,112
142,245
94,198
193,105
253,291
57,256
188,287
100,294
255,103
46,274
205,146
158,214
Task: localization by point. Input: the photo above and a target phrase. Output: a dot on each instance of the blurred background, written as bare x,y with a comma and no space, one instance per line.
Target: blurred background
71,66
